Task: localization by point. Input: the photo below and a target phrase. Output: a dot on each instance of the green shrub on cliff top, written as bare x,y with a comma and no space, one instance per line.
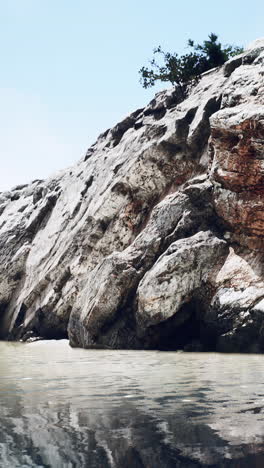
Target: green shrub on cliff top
184,69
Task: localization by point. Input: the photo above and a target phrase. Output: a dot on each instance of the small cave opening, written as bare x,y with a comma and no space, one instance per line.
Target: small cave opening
48,326
52,333
34,334
56,334
183,331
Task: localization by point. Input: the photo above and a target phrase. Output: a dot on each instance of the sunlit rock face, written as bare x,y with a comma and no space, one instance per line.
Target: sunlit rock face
155,238
239,169
237,136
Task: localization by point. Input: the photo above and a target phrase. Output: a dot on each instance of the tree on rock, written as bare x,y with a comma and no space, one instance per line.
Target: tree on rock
187,69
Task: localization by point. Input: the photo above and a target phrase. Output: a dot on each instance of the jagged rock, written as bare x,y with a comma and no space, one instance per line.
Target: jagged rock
82,253
188,264
237,136
178,215
235,314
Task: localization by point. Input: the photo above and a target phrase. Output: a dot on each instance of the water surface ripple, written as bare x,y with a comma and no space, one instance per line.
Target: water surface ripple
63,407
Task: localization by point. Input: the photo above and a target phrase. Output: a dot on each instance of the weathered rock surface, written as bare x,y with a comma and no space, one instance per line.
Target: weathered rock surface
155,238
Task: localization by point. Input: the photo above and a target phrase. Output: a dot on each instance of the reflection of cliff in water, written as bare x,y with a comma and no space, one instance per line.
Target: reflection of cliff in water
75,410
124,438
69,438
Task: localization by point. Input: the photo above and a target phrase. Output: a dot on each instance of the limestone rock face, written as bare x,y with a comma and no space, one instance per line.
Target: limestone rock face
155,238
178,273
237,137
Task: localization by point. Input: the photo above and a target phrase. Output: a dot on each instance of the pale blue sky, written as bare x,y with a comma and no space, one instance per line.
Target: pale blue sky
69,68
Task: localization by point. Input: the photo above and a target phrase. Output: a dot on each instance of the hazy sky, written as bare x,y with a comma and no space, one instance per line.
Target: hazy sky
69,68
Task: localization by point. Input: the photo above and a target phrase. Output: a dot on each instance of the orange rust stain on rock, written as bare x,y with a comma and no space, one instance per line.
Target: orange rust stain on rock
239,168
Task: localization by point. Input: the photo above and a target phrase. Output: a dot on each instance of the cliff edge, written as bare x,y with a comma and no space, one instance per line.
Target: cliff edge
155,238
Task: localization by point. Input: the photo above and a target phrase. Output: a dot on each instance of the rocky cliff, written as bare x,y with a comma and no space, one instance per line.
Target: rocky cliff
155,238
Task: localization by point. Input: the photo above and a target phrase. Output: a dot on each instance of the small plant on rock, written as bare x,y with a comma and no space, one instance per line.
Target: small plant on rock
186,69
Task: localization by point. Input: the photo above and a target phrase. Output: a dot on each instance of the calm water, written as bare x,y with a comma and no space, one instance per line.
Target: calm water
63,407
